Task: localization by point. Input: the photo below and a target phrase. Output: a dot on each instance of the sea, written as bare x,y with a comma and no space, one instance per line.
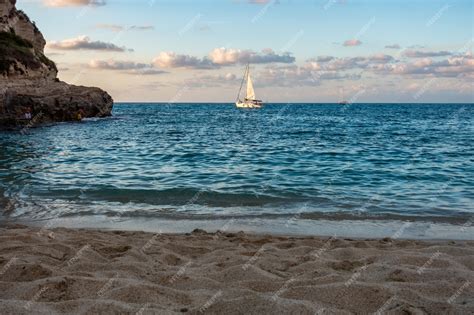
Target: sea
358,170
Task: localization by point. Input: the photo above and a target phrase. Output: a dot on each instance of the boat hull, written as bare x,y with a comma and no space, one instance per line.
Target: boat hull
248,105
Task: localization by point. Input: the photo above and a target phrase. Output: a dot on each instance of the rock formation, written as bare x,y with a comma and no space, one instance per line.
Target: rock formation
28,79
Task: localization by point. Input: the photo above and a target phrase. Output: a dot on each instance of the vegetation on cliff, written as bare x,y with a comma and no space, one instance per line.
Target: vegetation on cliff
16,49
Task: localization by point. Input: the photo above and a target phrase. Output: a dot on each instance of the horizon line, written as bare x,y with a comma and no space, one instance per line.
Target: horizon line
299,103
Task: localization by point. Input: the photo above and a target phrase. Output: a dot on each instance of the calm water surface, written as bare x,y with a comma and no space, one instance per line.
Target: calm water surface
209,161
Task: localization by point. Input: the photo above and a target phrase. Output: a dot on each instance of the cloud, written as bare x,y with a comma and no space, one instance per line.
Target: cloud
229,56
52,54
84,43
110,27
379,58
67,3
148,71
461,66
204,27
298,76
219,57
393,46
229,79
330,63
423,66
352,42
416,47
424,54
116,65
121,28
173,60
457,70
141,28
260,1
129,67
324,58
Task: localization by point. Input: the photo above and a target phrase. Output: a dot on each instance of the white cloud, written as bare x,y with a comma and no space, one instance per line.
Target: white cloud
461,66
66,3
213,80
423,54
121,28
260,1
173,60
393,46
129,67
299,76
330,63
224,56
147,71
84,42
116,65
111,27
352,42
141,27
220,57
229,56
324,58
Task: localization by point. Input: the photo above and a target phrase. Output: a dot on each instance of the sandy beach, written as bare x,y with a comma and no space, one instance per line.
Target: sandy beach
68,271
236,157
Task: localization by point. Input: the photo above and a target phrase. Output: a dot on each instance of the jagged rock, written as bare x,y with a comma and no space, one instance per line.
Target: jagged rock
28,79
17,21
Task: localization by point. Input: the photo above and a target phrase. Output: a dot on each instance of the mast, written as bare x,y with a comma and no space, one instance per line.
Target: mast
242,83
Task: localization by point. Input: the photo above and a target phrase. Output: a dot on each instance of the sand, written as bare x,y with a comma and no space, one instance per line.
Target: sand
68,271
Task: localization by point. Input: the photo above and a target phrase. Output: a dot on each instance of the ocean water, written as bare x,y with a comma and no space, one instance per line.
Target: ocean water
204,162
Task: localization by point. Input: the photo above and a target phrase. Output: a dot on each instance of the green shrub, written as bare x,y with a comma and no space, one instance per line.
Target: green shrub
14,48
11,39
51,65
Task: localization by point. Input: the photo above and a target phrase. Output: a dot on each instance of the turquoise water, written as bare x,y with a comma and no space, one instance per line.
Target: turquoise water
212,161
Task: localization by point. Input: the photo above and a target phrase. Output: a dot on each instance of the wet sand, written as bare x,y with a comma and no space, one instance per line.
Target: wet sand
82,271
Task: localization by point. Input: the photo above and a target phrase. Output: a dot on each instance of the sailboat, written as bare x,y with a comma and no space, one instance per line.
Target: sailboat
250,100
343,100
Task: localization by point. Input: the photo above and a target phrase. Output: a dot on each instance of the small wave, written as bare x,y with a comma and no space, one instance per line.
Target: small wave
254,214
173,196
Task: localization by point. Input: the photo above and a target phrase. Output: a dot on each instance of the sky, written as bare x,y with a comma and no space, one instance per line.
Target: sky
299,51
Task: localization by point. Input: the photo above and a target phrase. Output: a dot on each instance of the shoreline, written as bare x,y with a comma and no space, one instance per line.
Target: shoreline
87,271
374,229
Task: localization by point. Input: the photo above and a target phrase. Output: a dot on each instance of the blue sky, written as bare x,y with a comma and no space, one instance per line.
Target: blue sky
300,51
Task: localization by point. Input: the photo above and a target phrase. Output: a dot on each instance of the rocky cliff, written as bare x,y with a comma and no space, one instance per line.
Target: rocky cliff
28,79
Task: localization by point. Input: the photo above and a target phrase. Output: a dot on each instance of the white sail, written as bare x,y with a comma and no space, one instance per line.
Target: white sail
250,100
250,91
